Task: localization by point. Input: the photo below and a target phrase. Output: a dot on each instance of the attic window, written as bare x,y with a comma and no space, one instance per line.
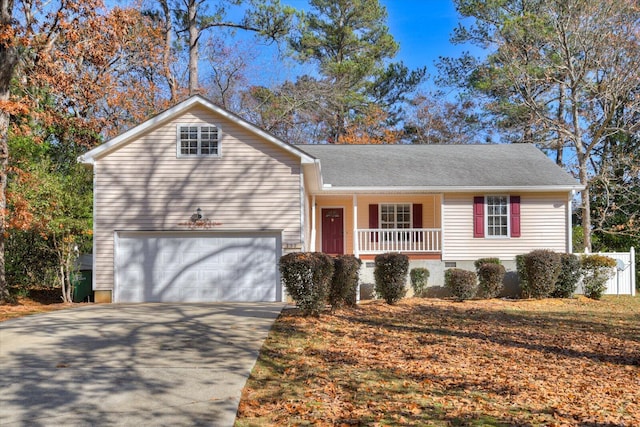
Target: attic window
198,141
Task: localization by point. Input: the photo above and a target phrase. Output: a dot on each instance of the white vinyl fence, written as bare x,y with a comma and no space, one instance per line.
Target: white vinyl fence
624,281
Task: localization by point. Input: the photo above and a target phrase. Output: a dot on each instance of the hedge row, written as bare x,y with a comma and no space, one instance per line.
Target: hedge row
313,279
545,274
542,274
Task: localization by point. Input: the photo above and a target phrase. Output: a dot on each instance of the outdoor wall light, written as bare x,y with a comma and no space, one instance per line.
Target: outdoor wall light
197,216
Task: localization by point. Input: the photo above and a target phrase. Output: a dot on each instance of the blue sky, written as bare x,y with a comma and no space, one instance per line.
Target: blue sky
421,27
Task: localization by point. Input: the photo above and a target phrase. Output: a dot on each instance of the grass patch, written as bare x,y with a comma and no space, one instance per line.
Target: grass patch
441,363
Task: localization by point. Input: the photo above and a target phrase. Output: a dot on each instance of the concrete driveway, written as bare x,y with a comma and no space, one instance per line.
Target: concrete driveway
130,365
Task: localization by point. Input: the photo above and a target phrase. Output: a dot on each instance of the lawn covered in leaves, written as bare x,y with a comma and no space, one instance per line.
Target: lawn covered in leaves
436,362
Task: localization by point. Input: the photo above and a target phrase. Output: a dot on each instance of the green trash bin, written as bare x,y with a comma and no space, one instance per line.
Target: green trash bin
82,286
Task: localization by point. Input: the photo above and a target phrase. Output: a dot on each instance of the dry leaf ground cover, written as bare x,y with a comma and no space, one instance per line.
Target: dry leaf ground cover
435,362
38,301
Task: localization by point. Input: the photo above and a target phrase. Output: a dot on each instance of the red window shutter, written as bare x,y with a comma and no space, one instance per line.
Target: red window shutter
417,221
478,216
417,215
515,215
373,221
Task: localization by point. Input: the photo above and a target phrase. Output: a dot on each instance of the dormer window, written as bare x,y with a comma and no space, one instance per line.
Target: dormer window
198,141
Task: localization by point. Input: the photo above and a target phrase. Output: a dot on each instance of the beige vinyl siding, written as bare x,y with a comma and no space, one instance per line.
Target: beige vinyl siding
430,212
543,226
254,185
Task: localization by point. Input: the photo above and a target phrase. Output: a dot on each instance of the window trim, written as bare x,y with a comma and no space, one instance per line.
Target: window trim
199,141
395,220
507,214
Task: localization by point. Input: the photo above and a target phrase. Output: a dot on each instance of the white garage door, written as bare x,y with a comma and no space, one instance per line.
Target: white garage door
202,267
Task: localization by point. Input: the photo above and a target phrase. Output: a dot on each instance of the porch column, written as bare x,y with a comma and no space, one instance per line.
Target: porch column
356,249
313,225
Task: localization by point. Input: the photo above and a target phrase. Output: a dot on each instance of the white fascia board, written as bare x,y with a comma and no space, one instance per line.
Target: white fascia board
91,156
501,189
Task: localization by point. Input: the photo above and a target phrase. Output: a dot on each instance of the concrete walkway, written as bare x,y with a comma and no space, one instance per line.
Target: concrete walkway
130,365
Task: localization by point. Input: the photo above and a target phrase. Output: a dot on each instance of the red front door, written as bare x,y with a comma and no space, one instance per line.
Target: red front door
332,231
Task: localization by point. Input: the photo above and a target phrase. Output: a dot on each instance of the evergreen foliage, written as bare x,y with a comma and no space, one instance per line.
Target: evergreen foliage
390,274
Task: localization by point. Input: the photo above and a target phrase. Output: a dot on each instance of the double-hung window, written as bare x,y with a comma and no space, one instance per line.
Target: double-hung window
395,216
497,216
198,141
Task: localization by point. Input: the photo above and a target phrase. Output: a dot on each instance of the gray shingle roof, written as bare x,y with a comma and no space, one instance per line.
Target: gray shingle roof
499,165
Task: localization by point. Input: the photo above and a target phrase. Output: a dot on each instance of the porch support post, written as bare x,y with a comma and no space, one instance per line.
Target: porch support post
312,247
442,230
356,249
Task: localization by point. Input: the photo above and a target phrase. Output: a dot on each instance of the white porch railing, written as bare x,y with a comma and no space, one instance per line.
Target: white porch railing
375,241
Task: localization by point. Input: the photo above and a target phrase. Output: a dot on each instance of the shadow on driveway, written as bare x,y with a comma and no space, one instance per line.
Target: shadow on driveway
142,364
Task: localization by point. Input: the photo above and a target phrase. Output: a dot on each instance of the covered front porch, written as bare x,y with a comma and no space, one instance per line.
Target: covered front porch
369,224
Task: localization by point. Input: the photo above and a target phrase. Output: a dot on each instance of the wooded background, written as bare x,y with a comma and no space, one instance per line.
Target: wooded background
561,74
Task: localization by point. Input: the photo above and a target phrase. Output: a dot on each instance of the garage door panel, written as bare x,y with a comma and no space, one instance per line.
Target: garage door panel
201,268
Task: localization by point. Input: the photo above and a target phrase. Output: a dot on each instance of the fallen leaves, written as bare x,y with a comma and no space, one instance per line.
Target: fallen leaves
40,301
436,362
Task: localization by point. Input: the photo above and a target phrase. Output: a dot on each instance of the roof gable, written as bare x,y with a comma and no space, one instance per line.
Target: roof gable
175,111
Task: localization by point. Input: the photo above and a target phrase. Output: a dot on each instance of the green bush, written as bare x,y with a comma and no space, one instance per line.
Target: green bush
490,276
596,270
542,269
461,283
480,262
419,278
391,275
30,261
569,276
344,283
307,277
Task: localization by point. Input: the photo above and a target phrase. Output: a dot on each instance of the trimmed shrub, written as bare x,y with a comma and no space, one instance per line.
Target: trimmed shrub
480,262
596,270
391,275
461,283
419,278
306,277
542,270
569,276
344,283
490,276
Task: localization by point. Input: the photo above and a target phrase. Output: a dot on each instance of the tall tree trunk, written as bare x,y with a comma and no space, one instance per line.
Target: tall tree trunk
166,54
194,35
560,140
8,61
586,206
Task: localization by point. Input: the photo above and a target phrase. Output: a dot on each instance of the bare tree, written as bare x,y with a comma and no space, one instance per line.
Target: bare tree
268,19
565,72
